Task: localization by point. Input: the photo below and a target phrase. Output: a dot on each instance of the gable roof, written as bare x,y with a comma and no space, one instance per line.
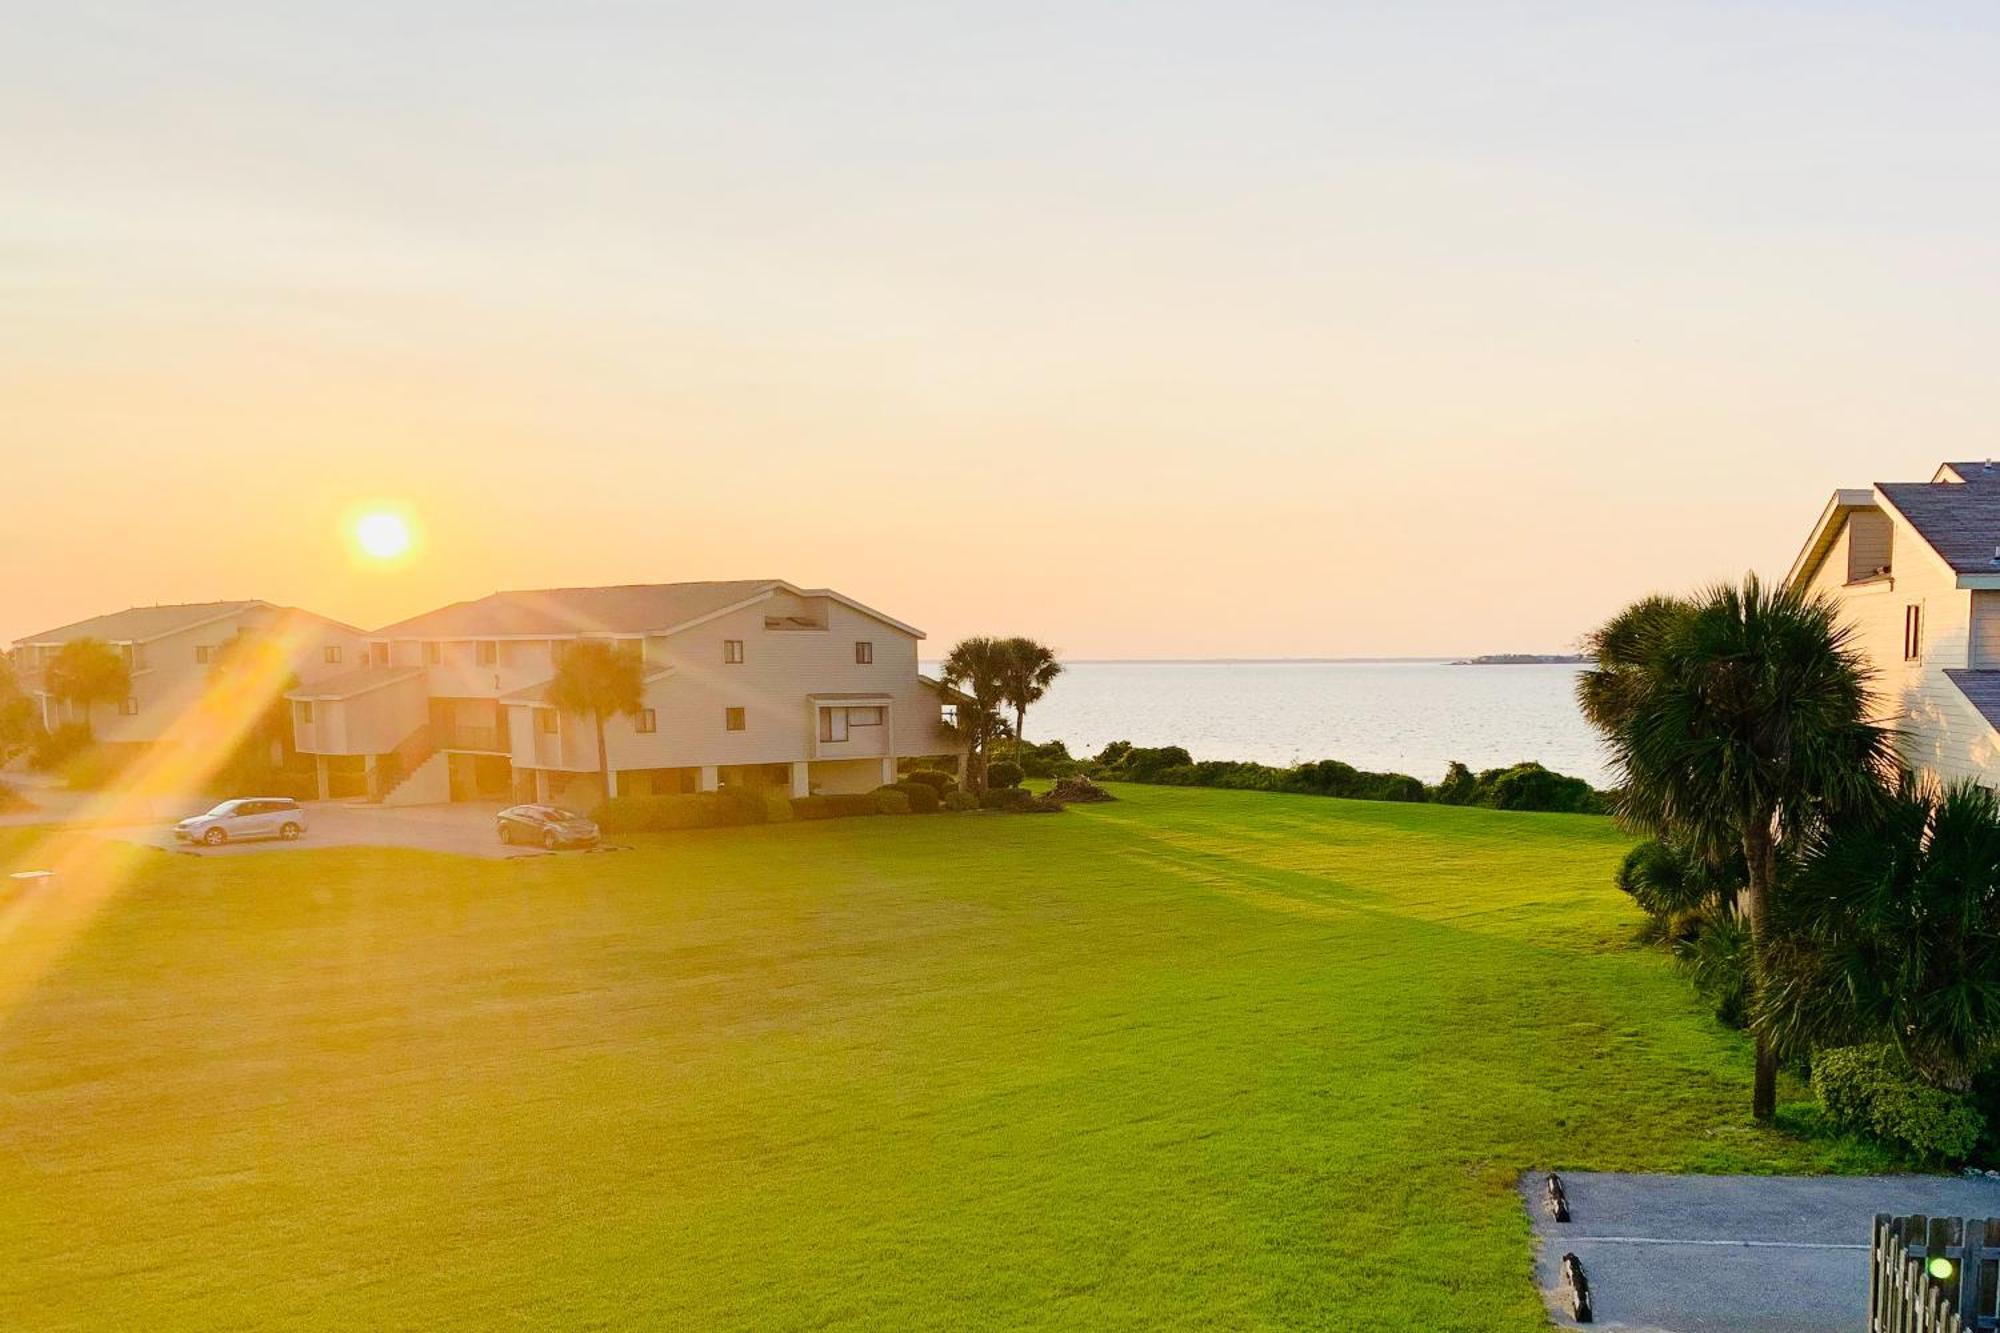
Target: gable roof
139,623
1981,689
1960,521
1980,470
348,684
630,608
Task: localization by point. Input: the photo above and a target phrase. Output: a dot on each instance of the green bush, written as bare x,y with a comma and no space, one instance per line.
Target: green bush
891,802
1870,1089
1532,787
660,814
838,806
958,802
1459,787
1042,761
53,749
937,781
924,799
1330,777
1714,952
1007,798
1004,774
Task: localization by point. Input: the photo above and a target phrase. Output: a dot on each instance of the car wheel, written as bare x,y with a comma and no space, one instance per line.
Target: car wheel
550,840
215,837
290,832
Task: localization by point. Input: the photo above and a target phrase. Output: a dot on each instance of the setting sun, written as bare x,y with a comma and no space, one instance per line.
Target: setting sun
381,535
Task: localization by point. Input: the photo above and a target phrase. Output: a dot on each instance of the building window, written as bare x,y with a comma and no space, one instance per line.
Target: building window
489,652
1913,632
732,652
545,721
434,654
304,712
202,653
733,720
330,653
833,724
948,714
864,717
129,706
647,722
864,654
378,653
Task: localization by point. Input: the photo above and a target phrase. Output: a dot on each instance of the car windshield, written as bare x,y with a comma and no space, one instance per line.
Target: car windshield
226,808
557,812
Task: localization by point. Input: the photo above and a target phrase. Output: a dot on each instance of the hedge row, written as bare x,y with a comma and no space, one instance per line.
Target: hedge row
727,808
1870,1089
1526,786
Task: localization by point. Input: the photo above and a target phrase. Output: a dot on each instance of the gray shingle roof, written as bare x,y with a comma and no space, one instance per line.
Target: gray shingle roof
347,684
139,623
1960,521
1982,689
626,609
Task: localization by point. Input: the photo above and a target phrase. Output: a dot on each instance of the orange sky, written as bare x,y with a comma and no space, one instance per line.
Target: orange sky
1265,331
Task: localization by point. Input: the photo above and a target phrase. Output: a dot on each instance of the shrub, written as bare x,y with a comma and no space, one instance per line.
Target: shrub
1715,954
1004,774
1007,798
924,799
892,802
959,802
660,814
1869,1088
1663,880
92,769
1532,787
53,749
1080,791
1044,760
838,806
937,781
1459,787
1330,777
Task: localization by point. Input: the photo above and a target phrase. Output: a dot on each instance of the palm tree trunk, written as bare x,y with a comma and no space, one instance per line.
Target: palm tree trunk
603,758
1759,854
1020,725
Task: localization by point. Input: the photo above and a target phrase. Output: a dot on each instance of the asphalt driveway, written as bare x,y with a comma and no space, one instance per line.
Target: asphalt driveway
1731,1254
464,828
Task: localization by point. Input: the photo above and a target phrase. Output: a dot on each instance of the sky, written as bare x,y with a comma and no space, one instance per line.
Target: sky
1165,330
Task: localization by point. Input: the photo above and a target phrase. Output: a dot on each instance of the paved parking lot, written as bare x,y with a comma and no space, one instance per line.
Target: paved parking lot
466,829
1732,1254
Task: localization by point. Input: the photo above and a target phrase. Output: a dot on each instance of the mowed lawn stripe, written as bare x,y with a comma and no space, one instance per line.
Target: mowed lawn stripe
1195,1059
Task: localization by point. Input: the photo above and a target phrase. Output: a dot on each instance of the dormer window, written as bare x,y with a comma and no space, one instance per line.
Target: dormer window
1913,632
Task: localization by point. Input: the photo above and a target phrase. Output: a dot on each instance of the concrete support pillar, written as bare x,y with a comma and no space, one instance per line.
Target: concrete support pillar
324,776
610,782
801,778
888,769
710,779
371,776
541,786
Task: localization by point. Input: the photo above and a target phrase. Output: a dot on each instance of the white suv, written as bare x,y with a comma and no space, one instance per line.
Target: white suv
251,817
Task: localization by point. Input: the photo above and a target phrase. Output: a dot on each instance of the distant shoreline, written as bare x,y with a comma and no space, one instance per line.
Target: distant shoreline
1525,659
1503,659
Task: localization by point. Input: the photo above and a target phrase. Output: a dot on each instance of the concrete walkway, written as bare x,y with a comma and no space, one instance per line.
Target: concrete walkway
1731,1254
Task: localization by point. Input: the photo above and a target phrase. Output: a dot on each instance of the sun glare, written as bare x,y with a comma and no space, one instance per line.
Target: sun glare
382,535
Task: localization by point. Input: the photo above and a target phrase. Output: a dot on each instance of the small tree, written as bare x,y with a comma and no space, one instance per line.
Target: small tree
249,674
1737,720
1890,934
20,723
977,669
85,672
1030,669
598,679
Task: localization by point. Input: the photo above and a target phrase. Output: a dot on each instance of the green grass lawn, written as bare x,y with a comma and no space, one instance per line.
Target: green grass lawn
1194,1059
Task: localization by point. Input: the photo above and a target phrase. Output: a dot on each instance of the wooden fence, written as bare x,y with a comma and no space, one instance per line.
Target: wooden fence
1934,1275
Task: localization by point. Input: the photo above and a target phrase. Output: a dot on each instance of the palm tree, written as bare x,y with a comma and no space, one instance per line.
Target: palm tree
249,675
85,672
1892,935
977,669
599,679
1030,669
1736,720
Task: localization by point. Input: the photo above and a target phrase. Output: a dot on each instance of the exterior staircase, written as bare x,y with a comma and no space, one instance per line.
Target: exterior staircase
416,772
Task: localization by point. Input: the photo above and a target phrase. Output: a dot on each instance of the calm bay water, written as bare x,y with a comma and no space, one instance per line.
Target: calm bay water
1405,717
